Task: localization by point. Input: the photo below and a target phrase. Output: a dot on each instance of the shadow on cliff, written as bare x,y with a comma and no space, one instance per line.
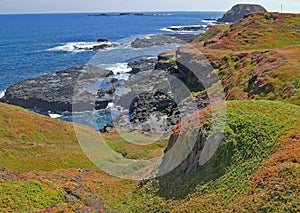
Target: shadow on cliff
178,183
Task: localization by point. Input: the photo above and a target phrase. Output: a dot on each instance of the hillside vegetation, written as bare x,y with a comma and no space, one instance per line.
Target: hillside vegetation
30,141
238,179
257,57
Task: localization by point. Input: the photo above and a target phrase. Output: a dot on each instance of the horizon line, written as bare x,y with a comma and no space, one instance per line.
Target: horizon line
99,12
153,11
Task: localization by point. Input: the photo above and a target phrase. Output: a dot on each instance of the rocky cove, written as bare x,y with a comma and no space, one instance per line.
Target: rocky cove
147,97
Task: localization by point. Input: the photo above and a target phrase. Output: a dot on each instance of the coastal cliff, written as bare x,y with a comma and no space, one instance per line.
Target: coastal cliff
255,57
253,60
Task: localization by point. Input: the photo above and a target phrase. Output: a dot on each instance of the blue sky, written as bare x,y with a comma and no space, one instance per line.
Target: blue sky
58,6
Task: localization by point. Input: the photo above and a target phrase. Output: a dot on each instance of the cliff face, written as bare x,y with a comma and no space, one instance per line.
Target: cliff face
246,143
254,58
239,11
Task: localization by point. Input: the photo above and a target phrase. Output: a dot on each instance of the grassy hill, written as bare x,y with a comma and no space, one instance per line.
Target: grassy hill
264,131
30,141
254,32
257,57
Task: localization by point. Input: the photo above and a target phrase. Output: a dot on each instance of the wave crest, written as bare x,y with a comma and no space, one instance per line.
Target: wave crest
85,46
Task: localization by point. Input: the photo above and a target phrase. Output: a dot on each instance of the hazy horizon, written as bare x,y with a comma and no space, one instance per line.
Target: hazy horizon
79,6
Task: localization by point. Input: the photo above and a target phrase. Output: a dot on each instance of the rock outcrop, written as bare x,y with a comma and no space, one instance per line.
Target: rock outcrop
191,28
162,39
52,92
120,14
239,11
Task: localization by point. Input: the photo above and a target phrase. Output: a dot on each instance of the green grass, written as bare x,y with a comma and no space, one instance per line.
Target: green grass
253,129
123,144
30,141
27,196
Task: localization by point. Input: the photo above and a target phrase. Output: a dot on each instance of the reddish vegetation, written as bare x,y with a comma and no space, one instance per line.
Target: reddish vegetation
195,120
257,31
257,57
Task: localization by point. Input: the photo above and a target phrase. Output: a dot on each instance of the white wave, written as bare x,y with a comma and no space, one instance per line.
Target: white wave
2,93
166,29
82,46
209,21
181,28
119,68
110,105
54,115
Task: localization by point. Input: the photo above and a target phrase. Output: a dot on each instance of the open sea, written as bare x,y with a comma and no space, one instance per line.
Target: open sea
35,44
28,42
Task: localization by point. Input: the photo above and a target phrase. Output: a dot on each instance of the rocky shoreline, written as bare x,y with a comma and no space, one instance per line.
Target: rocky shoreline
153,99
162,39
51,92
149,96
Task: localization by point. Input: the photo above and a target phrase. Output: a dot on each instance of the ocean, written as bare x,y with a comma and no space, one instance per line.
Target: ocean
27,41
35,44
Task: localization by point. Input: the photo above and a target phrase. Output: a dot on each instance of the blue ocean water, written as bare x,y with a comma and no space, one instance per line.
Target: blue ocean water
31,45
25,40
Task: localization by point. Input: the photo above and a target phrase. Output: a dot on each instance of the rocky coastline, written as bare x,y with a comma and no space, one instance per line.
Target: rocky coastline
148,95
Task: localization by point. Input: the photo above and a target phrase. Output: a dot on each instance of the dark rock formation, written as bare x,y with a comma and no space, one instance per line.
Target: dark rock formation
239,11
102,40
162,39
154,98
52,92
120,14
158,98
188,28
187,38
142,65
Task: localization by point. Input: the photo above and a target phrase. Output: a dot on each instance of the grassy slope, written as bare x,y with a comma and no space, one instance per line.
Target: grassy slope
258,31
33,142
257,57
253,129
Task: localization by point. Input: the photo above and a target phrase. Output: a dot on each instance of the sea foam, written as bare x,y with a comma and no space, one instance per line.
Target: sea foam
180,28
119,68
82,46
2,93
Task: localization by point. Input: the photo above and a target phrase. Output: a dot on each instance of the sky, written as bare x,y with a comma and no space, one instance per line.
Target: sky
69,6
